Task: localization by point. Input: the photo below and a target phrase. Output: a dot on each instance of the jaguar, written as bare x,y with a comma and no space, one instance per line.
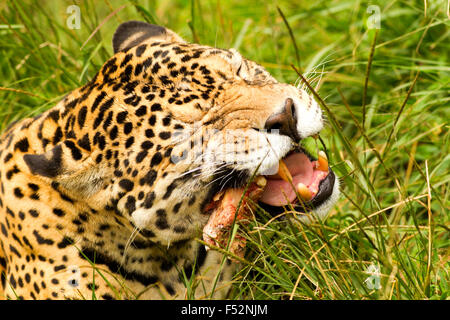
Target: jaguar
106,194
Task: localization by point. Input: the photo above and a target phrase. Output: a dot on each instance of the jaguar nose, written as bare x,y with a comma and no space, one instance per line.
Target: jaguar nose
285,121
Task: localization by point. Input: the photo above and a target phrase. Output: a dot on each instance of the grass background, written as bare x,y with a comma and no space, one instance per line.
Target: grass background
387,103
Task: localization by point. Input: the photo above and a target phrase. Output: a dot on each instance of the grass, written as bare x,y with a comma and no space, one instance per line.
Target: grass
386,96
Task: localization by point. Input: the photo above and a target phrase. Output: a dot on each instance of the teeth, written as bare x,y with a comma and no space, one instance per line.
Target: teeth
218,195
283,172
304,192
322,161
261,181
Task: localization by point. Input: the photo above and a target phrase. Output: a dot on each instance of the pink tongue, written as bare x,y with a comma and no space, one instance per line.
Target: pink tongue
279,192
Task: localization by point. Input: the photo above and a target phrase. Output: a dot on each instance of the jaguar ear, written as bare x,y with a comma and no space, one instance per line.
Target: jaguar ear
131,33
68,165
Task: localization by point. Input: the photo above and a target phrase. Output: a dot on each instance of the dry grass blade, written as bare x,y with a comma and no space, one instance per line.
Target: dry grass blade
291,34
369,142
408,94
430,231
101,24
366,78
23,92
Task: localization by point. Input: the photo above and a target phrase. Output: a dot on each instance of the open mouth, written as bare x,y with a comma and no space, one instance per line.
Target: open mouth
301,182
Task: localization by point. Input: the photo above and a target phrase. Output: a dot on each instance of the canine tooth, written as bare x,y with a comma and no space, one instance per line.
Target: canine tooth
283,172
304,192
323,154
261,181
218,196
322,161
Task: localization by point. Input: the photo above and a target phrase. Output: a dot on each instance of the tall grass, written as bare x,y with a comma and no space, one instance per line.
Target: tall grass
386,96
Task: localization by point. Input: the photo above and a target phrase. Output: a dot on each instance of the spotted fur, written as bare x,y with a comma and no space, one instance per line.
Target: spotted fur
95,180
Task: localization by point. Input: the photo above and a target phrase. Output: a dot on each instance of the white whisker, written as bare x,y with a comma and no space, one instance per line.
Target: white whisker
127,246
